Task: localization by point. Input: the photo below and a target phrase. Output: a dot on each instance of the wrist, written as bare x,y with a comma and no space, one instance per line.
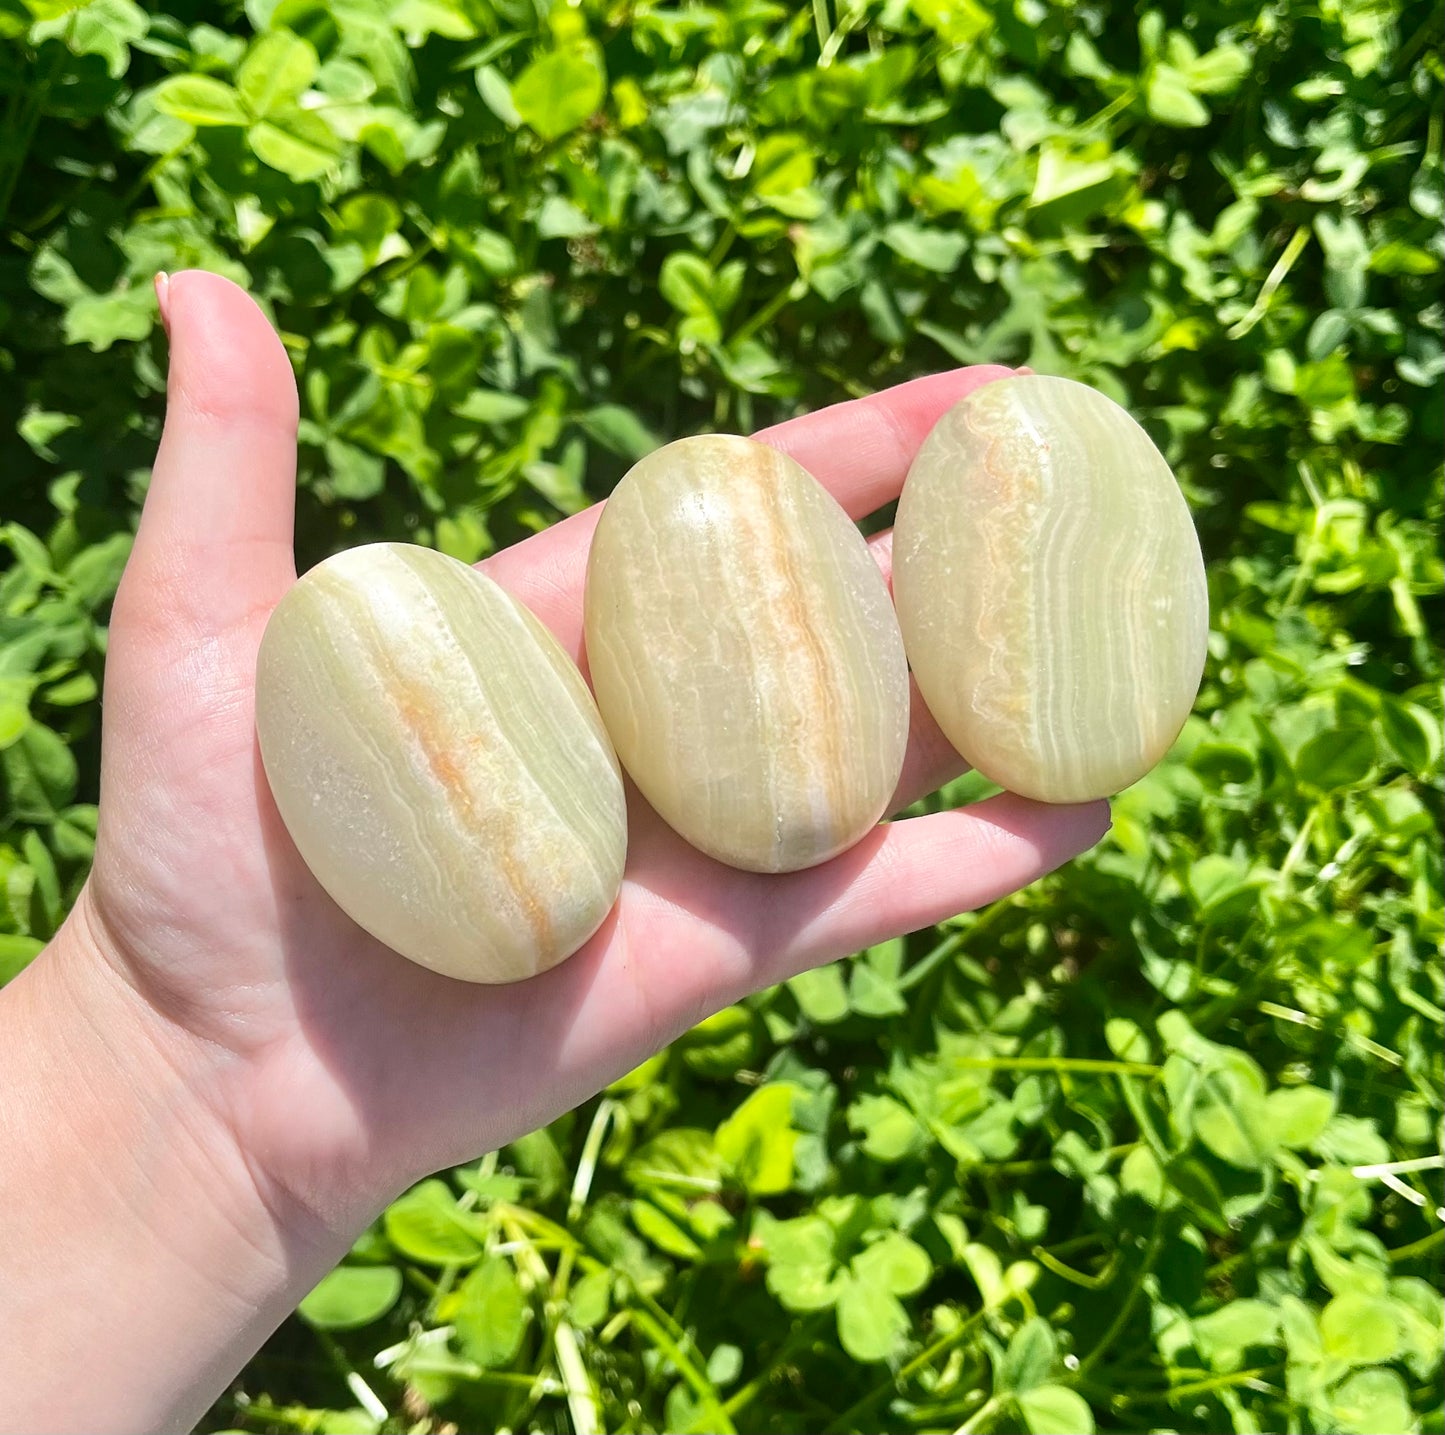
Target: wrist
122,1170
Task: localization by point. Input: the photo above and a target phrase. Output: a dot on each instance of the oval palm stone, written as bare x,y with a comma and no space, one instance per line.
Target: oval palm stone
439,763
1050,589
745,654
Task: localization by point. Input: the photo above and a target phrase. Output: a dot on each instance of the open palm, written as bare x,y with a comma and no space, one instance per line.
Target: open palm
344,1071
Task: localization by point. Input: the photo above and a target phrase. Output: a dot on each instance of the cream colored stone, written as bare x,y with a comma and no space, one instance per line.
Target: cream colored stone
1050,589
745,654
439,763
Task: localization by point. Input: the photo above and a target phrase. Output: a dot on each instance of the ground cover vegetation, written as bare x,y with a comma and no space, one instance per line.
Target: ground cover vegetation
1155,1145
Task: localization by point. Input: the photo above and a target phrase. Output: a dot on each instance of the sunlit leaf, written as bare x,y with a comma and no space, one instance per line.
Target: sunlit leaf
558,91
199,100
352,1296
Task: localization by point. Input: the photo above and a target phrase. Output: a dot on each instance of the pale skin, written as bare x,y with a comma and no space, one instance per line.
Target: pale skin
212,1079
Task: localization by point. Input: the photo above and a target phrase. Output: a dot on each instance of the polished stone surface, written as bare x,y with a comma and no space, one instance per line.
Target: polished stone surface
439,763
745,655
1050,589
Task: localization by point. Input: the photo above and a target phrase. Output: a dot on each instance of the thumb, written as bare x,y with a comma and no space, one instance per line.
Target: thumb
214,550
213,553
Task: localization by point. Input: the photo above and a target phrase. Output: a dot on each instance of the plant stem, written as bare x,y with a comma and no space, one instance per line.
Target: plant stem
1055,1063
1064,1272
1126,1310
821,24
1276,277
1418,1248
701,1386
765,315
980,1417
1197,1387
581,1398
587,1162
925,965
941,1346
741,1399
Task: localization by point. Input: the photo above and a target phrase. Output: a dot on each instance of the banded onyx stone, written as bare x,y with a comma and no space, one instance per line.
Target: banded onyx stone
1050,589
439,763
745,654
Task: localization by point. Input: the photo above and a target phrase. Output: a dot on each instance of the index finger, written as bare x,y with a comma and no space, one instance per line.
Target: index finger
859,451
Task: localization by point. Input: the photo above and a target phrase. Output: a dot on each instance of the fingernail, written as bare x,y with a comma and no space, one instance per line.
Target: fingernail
1024,371
163,299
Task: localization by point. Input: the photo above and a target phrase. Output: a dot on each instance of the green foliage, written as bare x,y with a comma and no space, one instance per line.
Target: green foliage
1154,1145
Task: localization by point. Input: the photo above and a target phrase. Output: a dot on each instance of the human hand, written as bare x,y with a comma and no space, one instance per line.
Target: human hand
340,1067
311,1063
